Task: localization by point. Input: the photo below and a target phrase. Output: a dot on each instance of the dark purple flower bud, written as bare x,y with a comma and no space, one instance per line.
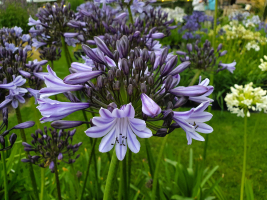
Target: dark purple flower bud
168,83
2,141
64,124
81,77
12,138
150,80
181,53
52,166
80,38
181,101
25,144
130,89
180,68
219,47
25,74
189,47
136,34
222,53
145,55
24,125
60,156
111,106
138,63
143,88
110,75
103,47
163,57
211,52
91,54
124,66
161,132
91,42
25,160
172,62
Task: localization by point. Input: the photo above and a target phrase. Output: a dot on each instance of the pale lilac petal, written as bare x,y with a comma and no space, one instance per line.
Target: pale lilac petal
203,128
81,67
105,113
200,99
81,77
121,149
194,135
200,117
201,107
183,114
190,91
184,124
100,131
100,121
138,124
110,62
129,111
149,107
117,113
108,141
133,143
146,133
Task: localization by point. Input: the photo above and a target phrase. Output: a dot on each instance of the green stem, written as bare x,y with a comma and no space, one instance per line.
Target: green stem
195,77
244,158
155,179
75,178
111,176
129,170
209,110
130,14
123,180
57,181
5,174
42,183
65,51
88,167
23,137
215,24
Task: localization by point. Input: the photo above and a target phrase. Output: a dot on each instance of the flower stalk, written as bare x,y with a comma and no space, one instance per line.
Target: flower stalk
123,180
57,180
5,174
130,14
23,137
65,50
244,159
111,175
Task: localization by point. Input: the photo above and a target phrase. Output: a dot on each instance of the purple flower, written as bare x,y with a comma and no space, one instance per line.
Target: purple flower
71,41
37,44
79,67
11,47
203,97
119,128
70,35
230,67
16,96
35,94
81,77
18,81
33,22
52,110
56,85
180,68
24,125
149,107
193,121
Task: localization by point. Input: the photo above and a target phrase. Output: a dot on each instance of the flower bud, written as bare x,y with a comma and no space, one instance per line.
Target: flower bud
189,47
24,125
161,132
60,156
124,66
149,107
64,124
143,88
12,138
130,89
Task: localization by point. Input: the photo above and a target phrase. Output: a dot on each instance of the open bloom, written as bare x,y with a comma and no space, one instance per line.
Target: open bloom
263,65
192,121
119,129
203,97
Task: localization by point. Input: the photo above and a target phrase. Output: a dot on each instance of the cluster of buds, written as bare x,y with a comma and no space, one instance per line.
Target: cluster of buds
244,98
205,58
135,91
49,28
15,49
51,147
4,131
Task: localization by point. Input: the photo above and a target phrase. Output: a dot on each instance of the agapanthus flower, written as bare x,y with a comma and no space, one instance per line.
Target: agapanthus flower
119,129
46,153
244,98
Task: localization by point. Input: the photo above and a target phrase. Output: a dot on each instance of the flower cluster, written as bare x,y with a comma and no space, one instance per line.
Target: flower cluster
4,131
132,88
50,146
263,65
15,49
193,24
177,14
244,98
205,58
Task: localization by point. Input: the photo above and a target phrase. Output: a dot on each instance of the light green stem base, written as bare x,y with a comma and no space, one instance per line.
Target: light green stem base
244,158
3,157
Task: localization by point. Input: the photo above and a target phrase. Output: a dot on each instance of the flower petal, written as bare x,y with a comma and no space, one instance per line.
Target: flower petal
100,131
108,141
203,128
133,143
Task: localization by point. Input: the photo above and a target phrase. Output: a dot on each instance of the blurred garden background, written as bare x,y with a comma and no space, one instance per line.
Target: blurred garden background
184,173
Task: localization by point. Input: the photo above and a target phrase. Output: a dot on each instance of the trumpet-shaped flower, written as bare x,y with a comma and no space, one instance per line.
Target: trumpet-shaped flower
119,128
193,121
203,97
246,97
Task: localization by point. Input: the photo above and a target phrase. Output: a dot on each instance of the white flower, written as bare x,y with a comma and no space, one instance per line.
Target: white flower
244,98
263,65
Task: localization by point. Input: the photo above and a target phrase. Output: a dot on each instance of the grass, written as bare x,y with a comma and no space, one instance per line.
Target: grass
225,145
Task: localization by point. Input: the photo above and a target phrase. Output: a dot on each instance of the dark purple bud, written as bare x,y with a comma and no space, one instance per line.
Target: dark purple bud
2,140
91,54
168,83
181,53
111,106
60,156
24,125
145,55
103,47
81,77
100,81
180,68
52,166
163,57
25,160
130,89
172,62
12,138
181,101
143,88
124,66
219,47
189,47
116,85
222,53
91,42
110,75
161,132
64,124
70,35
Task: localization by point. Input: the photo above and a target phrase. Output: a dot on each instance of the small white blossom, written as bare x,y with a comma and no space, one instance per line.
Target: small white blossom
244,98
263,65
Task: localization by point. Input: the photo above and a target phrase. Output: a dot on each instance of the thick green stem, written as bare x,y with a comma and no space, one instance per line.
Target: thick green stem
207,135
195,77
65,50
75,179
129,167
215,24
111,176
88,167
23,137
130,14
5,174
57,181
155,179
244,158
123,180
42,183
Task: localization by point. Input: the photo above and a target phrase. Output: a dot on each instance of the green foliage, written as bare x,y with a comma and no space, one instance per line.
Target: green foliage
75,3
14,15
